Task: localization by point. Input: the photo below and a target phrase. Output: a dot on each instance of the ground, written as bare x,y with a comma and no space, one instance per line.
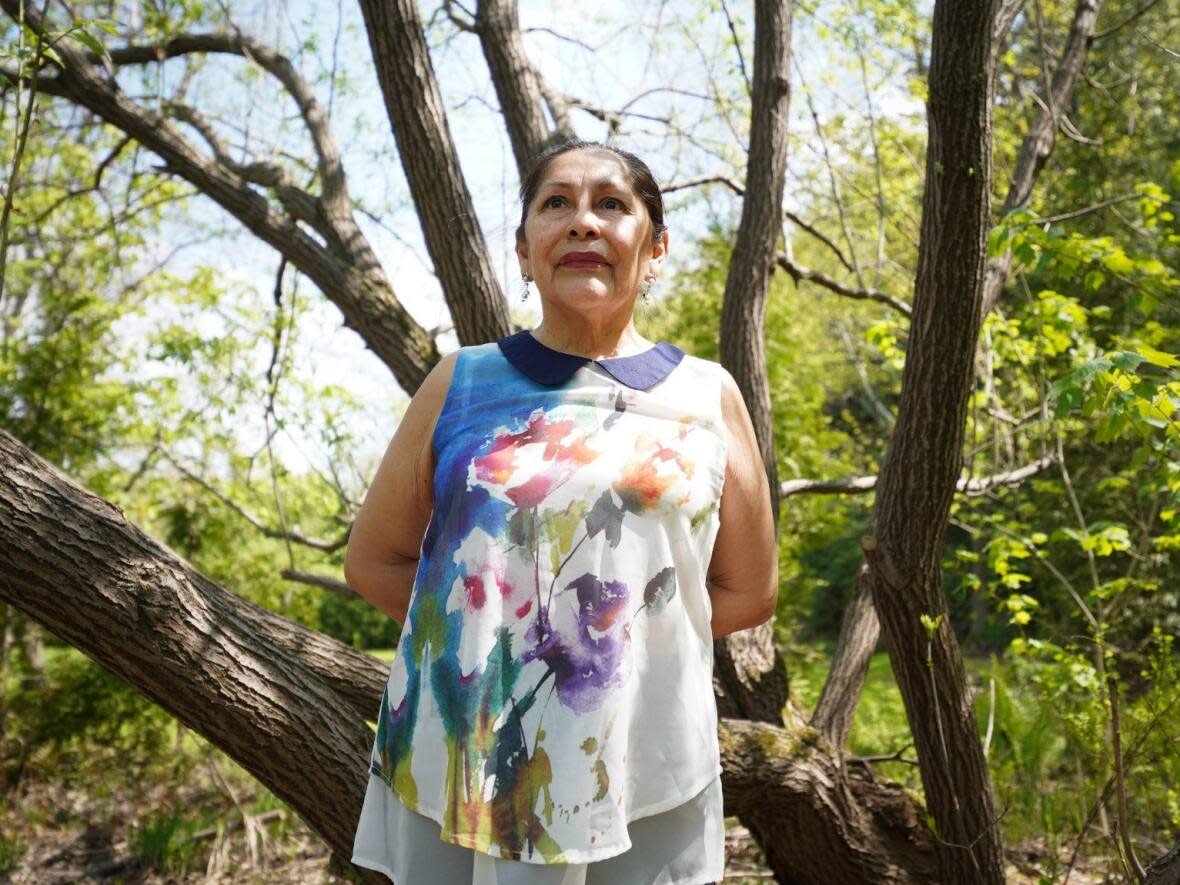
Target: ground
82,839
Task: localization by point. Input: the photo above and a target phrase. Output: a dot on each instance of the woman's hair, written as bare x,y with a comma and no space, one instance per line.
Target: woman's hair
642,181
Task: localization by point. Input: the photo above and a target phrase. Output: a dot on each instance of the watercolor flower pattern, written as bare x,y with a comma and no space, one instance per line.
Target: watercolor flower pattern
513,612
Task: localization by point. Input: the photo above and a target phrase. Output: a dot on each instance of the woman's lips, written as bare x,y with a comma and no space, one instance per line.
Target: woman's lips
582,260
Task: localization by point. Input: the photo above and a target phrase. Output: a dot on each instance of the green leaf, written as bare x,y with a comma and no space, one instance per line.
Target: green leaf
1156,357
1126,360
84,36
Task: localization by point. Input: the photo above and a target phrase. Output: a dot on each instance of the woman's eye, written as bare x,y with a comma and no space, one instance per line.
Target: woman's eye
608,202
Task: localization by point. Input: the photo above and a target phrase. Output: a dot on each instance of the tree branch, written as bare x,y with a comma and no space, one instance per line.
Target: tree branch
859,485
345,268
798,273
279,66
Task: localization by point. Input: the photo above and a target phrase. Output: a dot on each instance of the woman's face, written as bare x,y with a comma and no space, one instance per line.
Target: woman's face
585,204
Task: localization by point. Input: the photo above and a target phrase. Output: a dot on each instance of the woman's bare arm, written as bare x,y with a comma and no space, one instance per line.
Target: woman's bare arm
743,573
386,537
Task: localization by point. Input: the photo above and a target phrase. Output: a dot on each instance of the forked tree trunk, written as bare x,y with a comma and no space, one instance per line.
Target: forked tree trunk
923,461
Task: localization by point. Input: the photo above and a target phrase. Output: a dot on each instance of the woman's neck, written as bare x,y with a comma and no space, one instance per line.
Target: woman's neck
595,344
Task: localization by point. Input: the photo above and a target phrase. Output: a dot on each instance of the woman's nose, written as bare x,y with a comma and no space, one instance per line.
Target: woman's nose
584,222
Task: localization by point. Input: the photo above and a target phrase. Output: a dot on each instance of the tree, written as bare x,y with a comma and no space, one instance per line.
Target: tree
783,777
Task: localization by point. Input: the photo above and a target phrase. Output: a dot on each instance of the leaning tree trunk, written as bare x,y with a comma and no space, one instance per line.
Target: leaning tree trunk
290,704
443,203
921,466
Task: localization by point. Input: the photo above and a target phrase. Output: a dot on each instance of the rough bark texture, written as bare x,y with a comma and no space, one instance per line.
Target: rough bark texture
290,704
1042,135
752,678
1165,870
218,663
340,262
743,312
443,203
922,464
859,632
517,83
823,823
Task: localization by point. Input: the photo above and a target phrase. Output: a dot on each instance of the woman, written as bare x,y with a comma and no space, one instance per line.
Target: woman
548,524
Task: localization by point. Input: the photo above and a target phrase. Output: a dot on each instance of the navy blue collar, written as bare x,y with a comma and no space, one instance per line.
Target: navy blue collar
548,366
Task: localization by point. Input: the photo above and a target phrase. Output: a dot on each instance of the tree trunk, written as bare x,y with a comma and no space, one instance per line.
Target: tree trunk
752,676
1165,870
443,203
859,632
289,704
921,466
517,83
860,628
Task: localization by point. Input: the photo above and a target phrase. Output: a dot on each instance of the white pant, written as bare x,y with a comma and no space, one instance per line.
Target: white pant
682,846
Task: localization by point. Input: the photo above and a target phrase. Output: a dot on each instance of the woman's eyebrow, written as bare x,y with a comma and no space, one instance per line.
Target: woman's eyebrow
601,184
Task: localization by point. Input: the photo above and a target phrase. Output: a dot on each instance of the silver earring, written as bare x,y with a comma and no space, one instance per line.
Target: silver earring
524,289
645,288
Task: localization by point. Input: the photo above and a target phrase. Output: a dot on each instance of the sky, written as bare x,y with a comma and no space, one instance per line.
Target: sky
607,54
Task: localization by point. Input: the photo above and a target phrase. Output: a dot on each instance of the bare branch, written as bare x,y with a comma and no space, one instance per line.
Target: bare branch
344,267
1005,15
324,581
699,180
295,199
1038,142
737,46
798,273
859,485
1130,18
278,65
268,531
468,24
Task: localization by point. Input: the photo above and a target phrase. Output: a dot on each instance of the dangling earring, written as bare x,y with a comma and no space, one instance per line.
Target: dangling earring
645,288
524,289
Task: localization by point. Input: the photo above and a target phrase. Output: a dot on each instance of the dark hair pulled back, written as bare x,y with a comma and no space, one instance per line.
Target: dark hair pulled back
640,177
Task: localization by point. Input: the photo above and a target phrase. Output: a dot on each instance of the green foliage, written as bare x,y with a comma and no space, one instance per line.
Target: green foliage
83,707
156,838
356,622
12,848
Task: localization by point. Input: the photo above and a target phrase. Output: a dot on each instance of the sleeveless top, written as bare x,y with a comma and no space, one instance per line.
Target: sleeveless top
553,679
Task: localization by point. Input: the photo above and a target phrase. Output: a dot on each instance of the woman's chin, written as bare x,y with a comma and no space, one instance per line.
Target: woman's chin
588,292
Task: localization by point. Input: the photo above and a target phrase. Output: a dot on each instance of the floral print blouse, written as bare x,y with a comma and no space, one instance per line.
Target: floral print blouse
553,679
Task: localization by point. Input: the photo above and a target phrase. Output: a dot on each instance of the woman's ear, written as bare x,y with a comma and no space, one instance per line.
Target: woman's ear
522,256
659,249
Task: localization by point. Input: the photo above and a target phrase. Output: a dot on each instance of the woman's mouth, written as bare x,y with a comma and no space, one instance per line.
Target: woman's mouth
575,260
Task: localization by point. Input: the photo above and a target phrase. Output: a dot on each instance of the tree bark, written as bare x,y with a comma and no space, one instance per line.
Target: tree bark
924,458
443,203
859,632
1165,870
860,628
289,704
517,83
752,676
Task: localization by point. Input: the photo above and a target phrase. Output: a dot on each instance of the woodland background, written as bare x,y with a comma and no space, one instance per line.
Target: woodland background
233,241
